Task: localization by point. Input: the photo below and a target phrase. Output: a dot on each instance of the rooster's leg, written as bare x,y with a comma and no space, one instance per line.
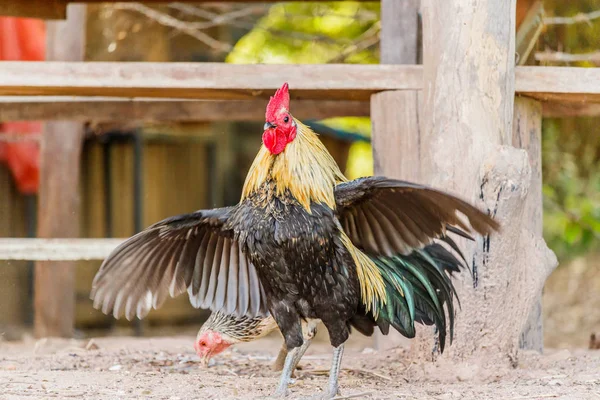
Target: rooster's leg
336,362
286,374
278,364
309,334
298,355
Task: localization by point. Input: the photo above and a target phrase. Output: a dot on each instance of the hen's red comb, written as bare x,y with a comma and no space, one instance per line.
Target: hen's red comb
280,100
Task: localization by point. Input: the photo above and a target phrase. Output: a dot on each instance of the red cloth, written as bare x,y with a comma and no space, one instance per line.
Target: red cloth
22,39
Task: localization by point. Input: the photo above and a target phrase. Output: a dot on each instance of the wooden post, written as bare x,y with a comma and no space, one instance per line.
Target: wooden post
466,138
58,209
395,114
527,135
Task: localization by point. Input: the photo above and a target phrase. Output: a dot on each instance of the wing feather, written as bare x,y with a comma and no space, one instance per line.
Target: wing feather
221,291
244,285
197,252
233,281
385,216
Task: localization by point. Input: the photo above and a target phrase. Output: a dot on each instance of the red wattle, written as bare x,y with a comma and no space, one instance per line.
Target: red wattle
269,139
275,141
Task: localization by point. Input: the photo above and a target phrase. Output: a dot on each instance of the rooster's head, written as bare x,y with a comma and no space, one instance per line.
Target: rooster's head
209,343
280,127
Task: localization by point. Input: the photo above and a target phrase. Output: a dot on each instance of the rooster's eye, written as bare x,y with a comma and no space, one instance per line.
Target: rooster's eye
286,119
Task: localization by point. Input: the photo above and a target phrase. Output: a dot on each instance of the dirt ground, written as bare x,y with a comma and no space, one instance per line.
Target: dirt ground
167,368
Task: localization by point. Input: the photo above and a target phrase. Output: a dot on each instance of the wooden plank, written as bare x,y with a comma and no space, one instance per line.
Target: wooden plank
566,110
47,9
203,80
320,82
527,134
111,109
466,143
58,207
564,84
469,58
399,31
14,285
395,113
56,249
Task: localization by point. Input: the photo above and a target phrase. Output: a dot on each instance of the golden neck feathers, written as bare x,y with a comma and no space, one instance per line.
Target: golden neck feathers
305,168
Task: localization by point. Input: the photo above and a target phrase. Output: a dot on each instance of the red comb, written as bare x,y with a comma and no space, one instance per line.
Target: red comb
280,100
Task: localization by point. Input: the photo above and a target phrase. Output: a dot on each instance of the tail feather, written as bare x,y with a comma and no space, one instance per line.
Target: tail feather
453,246
417,286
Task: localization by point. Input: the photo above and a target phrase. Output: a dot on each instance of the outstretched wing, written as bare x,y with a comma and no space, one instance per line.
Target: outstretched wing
385,216
193,252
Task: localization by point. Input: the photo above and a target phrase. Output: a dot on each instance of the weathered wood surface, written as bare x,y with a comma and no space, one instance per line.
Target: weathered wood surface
14,297
399,31
56,249
109,109
567,110
203,80
58,207
395,113
527,135
115,109
396,132
319,82
466,137
564,84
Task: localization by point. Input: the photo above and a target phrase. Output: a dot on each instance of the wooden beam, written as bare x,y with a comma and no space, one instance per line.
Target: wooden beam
527,135
203,80
58,207
114,109
399,31
468,58
564,84
108,109
395,113
569,110
243,82
46,9
466,143
57,249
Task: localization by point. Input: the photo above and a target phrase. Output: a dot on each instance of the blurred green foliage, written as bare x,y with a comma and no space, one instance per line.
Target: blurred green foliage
571,147
306,32
311,33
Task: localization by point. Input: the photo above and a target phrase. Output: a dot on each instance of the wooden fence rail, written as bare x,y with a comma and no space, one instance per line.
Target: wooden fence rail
113,109
56,249
203,81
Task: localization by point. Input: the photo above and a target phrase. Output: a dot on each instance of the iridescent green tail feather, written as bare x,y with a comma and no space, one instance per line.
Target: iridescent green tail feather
418,286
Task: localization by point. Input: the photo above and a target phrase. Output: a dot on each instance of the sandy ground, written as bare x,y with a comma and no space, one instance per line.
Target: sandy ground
167,368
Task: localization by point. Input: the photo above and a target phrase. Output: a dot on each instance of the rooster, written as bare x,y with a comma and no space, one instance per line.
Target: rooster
303,244
220,331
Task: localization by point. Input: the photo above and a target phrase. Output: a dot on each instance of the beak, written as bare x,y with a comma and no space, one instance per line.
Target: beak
269,125
204,360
